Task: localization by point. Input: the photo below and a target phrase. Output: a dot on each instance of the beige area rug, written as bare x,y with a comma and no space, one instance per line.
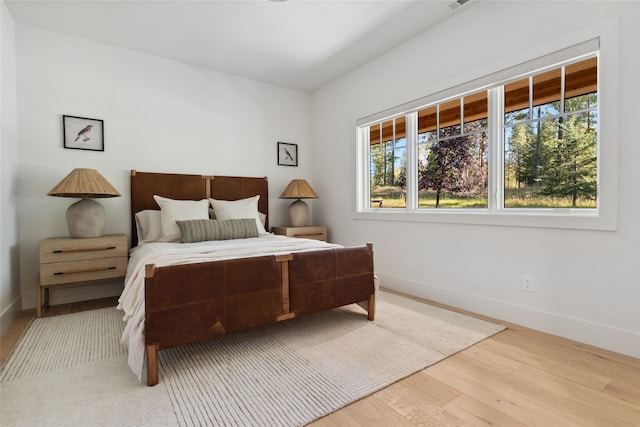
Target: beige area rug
71,370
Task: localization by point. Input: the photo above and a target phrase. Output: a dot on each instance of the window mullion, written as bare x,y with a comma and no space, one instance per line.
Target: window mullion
530,98
496,149
412,162
364,170
562,89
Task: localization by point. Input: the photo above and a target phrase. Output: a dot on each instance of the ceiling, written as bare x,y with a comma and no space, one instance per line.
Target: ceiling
299,44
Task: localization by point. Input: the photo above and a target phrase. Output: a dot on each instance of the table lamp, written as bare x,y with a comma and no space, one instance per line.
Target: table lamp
85,218
298,210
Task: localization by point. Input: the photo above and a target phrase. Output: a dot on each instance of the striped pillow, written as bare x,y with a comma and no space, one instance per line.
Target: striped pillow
200,230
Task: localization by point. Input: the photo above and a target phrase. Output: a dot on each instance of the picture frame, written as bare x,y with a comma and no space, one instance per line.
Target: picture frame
287,154
82,133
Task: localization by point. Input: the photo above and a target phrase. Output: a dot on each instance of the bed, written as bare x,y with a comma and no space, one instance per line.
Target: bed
179,293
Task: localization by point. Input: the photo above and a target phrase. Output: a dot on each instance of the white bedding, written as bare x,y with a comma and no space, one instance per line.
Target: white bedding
132,299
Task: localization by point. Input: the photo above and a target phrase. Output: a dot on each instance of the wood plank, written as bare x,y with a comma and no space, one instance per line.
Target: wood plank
575,398
369,412
624,391
476,413
504,393
497,361
564,343
420,398
570,362
526,354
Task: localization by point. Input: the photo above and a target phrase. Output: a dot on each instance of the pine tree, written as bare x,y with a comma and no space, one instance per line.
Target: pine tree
572,170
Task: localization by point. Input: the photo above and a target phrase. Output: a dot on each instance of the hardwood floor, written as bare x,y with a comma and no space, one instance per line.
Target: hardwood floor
519,377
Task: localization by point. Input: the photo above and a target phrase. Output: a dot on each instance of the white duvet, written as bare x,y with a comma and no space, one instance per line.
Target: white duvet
132,299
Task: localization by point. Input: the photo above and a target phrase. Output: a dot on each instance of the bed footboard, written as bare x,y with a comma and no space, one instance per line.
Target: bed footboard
323,280
192,302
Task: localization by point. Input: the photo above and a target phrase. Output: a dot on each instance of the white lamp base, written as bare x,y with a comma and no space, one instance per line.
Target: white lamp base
298,213
85,218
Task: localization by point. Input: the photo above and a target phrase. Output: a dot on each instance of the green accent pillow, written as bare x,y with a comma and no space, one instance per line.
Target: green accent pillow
200,230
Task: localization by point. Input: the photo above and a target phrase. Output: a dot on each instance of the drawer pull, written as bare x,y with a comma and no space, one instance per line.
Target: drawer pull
62,251
311,234
92,270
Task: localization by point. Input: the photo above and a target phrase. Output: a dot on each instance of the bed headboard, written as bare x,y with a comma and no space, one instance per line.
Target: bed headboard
144,185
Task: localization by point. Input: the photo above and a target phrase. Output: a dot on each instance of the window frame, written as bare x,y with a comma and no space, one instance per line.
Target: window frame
603,217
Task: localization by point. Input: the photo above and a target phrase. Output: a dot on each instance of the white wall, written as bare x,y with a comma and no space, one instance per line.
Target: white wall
159,116
587,284
10,297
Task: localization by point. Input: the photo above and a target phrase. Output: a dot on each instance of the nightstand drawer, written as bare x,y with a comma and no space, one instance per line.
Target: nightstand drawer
65,249
82,271
311,232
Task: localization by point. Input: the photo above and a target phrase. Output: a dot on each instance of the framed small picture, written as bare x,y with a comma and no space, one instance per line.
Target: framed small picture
287,154
81,133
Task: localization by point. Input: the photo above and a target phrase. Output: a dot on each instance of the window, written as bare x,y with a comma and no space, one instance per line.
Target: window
550,138
452,153
521,141
388,163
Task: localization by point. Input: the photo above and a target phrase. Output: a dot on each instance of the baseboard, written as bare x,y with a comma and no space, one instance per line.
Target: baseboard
9,315
581,330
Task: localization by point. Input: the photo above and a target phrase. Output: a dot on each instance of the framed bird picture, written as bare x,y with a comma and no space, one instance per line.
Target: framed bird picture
287,154
81,133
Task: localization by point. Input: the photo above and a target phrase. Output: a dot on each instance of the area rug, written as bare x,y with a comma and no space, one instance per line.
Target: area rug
71,369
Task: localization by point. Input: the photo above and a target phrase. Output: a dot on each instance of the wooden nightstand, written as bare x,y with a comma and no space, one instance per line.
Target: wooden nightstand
312,232
65,261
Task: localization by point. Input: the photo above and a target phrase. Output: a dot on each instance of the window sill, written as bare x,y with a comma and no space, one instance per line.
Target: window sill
552,218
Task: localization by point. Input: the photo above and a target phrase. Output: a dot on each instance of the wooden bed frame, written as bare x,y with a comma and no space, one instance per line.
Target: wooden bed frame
192,302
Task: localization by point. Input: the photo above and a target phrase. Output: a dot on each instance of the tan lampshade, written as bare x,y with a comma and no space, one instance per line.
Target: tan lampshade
84,183
298,189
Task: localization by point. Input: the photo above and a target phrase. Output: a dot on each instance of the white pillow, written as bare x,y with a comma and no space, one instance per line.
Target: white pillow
183,210
263,217
238,209
148,226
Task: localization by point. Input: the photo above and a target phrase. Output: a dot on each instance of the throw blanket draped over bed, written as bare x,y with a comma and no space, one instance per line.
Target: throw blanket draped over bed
132,300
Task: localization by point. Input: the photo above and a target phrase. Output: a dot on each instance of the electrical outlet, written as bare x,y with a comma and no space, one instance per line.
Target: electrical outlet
527,283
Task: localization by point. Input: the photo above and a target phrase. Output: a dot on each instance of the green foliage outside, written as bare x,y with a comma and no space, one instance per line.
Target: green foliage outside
393,197
530,197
